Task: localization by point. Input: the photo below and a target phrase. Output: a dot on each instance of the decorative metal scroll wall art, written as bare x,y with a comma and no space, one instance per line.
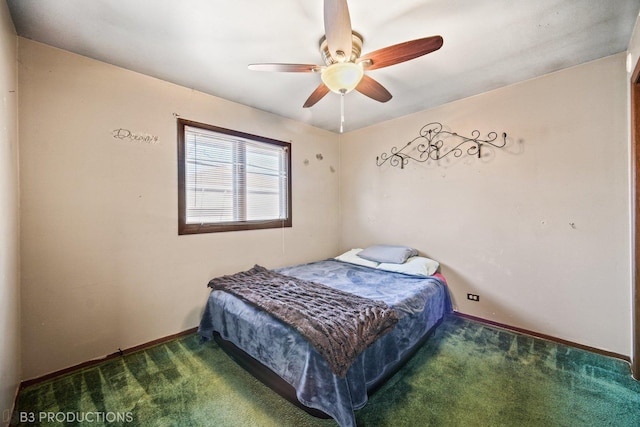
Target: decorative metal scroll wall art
431,146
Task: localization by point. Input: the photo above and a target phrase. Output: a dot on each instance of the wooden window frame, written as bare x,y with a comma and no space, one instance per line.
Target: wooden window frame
186,228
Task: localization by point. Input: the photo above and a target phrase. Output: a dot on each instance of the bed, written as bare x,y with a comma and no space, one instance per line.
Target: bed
279,355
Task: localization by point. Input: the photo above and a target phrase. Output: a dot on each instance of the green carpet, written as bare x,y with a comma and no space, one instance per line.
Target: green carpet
467,374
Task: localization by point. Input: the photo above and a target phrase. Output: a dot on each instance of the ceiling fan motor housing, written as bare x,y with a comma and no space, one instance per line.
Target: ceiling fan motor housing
356,49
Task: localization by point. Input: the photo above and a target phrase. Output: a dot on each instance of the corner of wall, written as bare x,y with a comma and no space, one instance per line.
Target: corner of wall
10,365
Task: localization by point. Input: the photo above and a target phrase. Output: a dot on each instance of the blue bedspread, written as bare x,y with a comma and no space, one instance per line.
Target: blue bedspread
419,301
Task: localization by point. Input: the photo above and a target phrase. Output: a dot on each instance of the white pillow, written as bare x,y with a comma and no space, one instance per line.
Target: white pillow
353,258
416,266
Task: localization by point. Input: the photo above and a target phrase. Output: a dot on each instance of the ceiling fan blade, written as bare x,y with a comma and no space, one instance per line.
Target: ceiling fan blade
316,96
373,89
401,52
290,68
337,28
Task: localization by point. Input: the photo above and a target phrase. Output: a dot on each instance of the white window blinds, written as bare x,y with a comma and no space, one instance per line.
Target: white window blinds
231,179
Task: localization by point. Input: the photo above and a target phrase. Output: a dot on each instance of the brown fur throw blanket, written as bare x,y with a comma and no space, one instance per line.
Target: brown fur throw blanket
338,324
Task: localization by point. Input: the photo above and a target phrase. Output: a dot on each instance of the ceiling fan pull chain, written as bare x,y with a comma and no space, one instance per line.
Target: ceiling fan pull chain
342,111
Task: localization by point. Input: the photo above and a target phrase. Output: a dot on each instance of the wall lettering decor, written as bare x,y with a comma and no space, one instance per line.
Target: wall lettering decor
127,135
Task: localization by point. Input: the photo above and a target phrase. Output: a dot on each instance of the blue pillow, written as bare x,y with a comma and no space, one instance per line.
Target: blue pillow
388,253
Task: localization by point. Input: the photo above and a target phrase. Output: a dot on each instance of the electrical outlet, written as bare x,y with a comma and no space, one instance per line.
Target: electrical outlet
473,297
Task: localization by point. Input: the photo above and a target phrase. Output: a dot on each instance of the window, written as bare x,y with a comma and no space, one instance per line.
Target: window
229,180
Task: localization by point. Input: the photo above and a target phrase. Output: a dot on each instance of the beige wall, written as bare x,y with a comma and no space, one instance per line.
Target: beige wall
103,266
502,226
9,218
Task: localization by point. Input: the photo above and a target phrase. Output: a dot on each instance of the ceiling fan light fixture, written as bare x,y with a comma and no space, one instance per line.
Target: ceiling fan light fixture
342,77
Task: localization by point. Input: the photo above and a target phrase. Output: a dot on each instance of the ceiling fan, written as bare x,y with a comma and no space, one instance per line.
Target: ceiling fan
344,67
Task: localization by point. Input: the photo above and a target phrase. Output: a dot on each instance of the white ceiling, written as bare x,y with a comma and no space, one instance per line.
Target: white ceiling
207,45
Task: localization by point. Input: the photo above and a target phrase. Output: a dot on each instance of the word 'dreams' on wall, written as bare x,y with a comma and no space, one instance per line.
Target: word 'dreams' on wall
128,136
